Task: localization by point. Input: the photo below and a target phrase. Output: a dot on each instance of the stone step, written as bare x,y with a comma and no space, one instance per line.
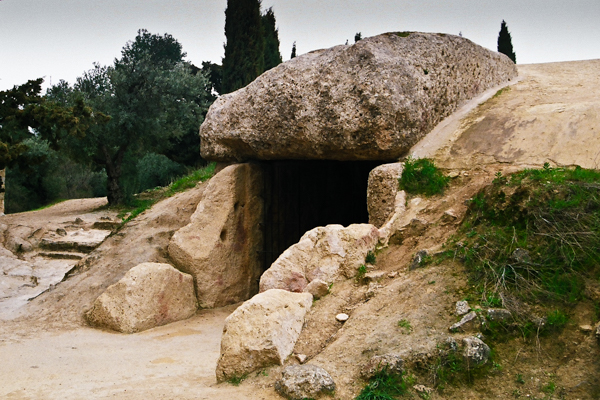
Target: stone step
62,255
106,225
68,246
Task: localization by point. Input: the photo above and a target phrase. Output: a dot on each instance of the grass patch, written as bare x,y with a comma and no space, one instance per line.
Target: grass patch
139,204
499,92
370,258
236,380
421,176
405,325
534,237
384,386
360,273
403,34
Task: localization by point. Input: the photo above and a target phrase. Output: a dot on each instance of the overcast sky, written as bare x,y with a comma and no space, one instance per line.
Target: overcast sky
59,39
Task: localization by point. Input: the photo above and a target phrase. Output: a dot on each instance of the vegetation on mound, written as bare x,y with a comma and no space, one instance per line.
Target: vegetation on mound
422,176
385,385
147,199
534,237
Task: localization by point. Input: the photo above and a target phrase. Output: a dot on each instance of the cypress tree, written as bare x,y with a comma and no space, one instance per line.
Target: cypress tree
293,51
245,47
505,42
272,54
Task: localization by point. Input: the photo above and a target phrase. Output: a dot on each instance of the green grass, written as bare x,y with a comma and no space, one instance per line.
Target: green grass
552,215
370,258
384,386
236,380
360,273
139,205
421,176
405,325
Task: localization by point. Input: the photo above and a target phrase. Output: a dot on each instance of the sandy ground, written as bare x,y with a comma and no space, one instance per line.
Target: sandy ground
549,115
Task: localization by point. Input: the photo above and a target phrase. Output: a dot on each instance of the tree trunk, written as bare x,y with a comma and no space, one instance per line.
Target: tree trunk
113,171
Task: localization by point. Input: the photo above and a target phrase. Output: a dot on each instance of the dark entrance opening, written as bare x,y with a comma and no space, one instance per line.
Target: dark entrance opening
301,195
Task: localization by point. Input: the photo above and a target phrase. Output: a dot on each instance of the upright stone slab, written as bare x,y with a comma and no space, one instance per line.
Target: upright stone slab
369,101
382,191
221,246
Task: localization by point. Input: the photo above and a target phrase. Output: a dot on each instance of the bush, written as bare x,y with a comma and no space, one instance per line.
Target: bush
421,176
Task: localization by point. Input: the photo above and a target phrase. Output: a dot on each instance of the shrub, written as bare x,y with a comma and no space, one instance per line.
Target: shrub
383,386
421,176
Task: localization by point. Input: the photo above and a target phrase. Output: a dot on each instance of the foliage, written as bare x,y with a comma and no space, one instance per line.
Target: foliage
272,57
152,96
293,50
45,176
371,258
536,237
156,170
405,325
24,114
360,273
505,42
357,37
421,176
384,385
245,47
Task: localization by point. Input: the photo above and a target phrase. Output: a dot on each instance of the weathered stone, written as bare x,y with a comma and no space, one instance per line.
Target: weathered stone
369,101
381,193
476,353
317,288
149,295
301,358
392,363
304,382
219,247
261,332
416,227
598,332
374,276
449,216
469,322
324,253
418,259
499,315
462,307
424,391
521,255
586,328
342,317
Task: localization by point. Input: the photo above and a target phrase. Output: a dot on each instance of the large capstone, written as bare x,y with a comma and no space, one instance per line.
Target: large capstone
369,101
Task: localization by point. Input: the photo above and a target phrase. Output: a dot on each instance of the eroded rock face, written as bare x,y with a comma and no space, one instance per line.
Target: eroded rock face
382,191
261,332
324,253
304,382
369,101
149,295
220,245
476,353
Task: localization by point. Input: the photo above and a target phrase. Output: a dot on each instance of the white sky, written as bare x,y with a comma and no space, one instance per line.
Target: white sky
59,39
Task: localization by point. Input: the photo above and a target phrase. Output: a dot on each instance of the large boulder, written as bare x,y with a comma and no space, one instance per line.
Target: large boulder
261,332
369,101
219,247
325,253
149,295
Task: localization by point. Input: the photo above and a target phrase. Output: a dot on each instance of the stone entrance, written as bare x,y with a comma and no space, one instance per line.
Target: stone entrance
301,195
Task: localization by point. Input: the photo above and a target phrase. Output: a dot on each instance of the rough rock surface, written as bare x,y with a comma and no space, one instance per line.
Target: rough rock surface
381,192
219,246
462,307
304,382
469,322
476,352
317,288
261,332
499,315
324,253
393,363
369,101
149,295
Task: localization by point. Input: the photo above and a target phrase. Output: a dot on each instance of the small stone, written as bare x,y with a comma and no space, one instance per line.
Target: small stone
418,259
521,255
586,328
342,317
318,288
392,363
61,232
78,221
374,276
476,352
392,275
468,322
449,216
422,389
304,382
301,358
498,315
453,174
598,332
462,307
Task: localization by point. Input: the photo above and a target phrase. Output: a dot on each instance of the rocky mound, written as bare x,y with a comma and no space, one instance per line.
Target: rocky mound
369,101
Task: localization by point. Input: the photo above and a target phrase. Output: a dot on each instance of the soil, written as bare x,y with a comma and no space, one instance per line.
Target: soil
548,115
